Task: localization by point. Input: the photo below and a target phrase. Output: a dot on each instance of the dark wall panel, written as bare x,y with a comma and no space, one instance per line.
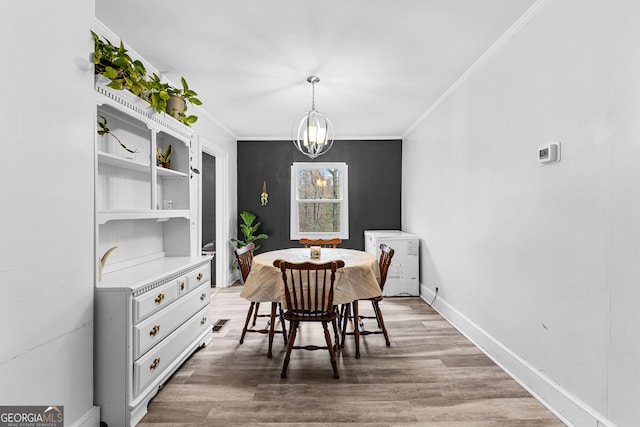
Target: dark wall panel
374,186
208,198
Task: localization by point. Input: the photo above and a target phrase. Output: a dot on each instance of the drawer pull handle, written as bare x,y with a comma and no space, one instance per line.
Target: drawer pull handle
199,276
182,286
154,330
203,296
204,319
159,298
155,364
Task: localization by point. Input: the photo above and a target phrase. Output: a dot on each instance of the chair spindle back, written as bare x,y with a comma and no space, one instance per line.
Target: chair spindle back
324,243
386,253
244,256
308,287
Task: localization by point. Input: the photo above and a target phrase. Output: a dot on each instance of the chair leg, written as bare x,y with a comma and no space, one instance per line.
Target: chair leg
376,310
346,309
246,323
356,327
274,306
334,323
255,314
282,322
293,327
332,353
381,322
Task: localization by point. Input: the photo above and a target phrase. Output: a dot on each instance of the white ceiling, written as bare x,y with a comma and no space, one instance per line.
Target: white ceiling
381,63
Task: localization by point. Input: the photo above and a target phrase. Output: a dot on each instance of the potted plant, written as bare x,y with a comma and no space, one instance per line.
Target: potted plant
114,63
164,158
177,102
249,230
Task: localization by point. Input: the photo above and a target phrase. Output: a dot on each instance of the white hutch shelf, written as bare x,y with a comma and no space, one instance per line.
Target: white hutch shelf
152,305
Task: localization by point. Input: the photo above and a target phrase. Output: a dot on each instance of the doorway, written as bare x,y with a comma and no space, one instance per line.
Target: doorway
209,211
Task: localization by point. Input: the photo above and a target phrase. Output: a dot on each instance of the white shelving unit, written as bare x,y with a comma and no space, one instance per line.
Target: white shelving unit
133,191
152,303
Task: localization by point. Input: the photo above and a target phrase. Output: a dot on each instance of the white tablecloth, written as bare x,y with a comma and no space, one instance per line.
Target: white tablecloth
358,279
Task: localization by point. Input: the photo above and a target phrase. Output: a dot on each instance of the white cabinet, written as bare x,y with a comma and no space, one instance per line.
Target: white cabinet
148,321
403,274
152,303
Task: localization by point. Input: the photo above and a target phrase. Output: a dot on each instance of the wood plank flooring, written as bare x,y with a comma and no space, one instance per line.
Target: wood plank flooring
430,376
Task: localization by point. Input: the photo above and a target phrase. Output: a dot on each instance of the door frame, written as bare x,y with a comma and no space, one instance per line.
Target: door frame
222,278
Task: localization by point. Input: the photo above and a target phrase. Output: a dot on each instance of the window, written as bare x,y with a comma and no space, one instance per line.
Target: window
319,203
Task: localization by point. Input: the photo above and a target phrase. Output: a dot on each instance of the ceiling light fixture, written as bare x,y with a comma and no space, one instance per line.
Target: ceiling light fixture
313,135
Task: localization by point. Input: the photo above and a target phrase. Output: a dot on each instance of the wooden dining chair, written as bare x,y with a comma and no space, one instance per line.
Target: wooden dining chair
308,290
244,256
386,255
324,243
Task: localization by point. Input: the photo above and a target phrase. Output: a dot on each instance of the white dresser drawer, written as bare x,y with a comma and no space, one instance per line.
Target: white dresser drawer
199,276
154,362
151,331
154,300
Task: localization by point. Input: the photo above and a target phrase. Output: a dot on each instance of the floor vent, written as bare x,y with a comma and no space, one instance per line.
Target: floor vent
219,324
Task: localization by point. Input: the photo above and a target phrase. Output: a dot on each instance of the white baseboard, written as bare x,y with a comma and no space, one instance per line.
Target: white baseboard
91,418
232,278
571,410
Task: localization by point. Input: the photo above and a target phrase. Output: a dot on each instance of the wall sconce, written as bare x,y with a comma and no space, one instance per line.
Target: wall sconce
264,197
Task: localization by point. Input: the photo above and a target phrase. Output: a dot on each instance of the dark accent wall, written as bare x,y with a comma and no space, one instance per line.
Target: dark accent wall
208,198
374,186
209,206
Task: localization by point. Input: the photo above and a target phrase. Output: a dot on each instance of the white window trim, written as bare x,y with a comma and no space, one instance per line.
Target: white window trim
344,202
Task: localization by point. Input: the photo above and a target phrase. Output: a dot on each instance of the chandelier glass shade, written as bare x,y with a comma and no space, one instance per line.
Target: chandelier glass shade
313,134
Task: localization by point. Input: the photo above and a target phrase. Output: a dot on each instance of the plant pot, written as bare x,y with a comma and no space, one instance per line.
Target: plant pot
166,165
175,106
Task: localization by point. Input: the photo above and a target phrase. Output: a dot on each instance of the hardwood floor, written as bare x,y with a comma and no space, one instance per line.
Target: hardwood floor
430,376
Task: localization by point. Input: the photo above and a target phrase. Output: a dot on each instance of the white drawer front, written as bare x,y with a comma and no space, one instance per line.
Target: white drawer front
154,300
151,331
154,362
199,276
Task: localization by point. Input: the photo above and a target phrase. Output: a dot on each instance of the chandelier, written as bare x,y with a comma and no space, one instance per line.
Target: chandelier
313,135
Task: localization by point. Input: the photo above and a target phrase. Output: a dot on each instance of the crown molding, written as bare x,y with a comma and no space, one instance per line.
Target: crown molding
203,112
346,138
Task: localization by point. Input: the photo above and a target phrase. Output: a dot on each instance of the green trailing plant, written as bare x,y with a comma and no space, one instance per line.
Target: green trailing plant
114,63
164,157
104,130
249,231
193,170
158,94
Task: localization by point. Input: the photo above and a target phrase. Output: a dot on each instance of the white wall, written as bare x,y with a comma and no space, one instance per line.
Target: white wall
47,210
46,254
538,264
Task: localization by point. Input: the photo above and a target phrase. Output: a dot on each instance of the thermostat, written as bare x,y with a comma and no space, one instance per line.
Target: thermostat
549,153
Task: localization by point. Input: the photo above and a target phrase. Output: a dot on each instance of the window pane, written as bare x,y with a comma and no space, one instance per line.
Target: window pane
319,217
319,184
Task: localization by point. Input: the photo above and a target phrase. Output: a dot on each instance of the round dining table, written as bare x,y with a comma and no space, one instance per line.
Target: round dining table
358,279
